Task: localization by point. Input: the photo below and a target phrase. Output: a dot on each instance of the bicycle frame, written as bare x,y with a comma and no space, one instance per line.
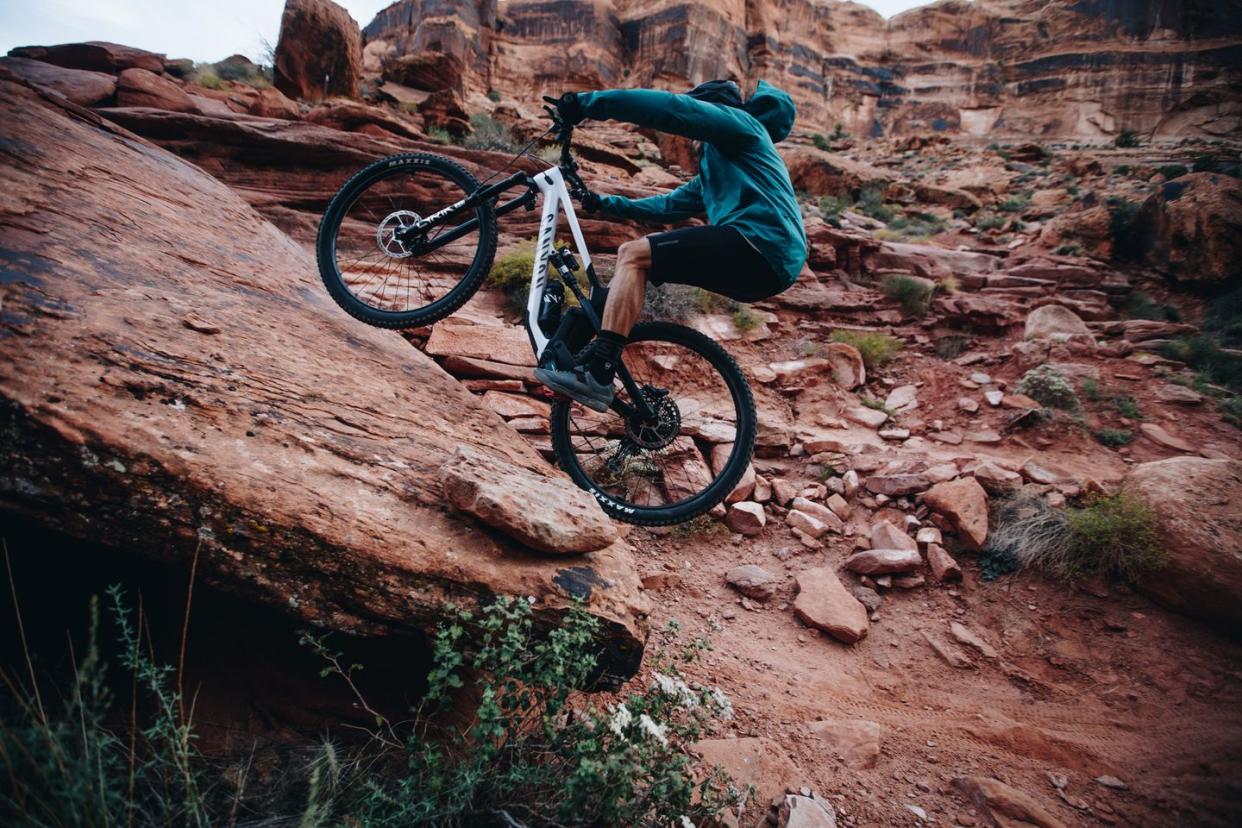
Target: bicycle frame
551,185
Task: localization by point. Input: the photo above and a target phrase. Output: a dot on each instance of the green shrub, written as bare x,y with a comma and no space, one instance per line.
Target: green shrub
744,318
510,274
1171,171
206,77
1013,204
1127,139
1223,318
677,303
1231,410
951,346
1204,353
1114,437
1049,387
876,405
1091,390
820,142
65,764
1139,305
493,95
439,135
1069,250
839,133
990,221
1128,243
486,133
917,225
1127,407
535,747
914,294
876,348
1111,536
832,206
871,203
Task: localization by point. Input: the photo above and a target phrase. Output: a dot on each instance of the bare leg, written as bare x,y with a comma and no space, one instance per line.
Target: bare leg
628,287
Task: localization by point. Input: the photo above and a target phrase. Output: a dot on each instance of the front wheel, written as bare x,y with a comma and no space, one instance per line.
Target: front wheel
685,461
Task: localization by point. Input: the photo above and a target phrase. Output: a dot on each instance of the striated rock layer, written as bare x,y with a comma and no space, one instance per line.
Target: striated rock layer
173,379
1068,68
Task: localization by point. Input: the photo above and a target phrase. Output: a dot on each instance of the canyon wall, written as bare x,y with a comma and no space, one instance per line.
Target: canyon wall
1051,68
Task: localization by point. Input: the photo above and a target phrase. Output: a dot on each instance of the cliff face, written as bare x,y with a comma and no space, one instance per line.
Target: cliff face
1055,68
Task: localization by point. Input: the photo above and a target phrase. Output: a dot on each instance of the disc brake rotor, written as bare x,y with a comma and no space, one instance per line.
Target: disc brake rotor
667,425
390,231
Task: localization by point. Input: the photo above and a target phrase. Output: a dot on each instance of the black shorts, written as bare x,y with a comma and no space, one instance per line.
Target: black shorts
719,259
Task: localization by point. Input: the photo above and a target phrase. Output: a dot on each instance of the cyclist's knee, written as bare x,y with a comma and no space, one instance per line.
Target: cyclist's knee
635,254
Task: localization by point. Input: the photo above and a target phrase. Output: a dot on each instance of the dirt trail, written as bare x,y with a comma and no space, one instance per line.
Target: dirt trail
1081,685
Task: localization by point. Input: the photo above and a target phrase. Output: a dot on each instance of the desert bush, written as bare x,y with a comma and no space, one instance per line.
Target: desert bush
536,748
205,76
832,206
493,95
951,346
676,303
839,132
876,348
1013,204
1127,139
744,318
64,763
1049,387
1128,407
1204,353
1114,437
1111,536
871,203
1222,318
486,133
1139,305
439,135
1069,250
913,294
1231,410
820,142
917,225
510,274
1128,243
990,221
551,154
1171,171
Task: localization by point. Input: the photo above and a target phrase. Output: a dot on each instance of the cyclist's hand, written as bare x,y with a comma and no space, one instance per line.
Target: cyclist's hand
569,108
591,202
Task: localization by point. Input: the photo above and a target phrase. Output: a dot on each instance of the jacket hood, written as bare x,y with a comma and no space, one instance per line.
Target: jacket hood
774,109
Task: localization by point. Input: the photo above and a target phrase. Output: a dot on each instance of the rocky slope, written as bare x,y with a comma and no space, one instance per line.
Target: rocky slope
1050,68
177,382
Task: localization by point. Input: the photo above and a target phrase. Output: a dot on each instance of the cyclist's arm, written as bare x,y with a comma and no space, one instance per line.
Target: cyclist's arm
668,112
684,202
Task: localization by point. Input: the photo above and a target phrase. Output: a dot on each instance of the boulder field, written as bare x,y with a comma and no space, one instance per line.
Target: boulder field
177,383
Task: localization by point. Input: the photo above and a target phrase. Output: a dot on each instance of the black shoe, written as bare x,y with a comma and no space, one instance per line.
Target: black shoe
578,384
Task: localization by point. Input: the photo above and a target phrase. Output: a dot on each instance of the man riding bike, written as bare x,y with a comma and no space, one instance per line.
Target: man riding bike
755,244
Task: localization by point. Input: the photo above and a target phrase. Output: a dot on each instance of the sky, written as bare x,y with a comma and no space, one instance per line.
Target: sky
203,30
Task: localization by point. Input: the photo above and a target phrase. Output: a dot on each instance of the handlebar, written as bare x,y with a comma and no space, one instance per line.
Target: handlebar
565,136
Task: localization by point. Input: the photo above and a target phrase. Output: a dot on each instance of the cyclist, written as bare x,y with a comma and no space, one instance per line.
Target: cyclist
755,244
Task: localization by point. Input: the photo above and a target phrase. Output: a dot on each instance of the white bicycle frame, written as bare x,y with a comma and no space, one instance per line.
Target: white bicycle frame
555,198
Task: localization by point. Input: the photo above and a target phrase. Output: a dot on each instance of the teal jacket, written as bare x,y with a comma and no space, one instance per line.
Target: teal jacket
742,180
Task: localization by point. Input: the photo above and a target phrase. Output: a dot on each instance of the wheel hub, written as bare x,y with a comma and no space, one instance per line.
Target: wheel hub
394,233
657,434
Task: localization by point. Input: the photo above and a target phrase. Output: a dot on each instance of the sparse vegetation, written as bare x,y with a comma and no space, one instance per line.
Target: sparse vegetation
871,203
486,133
1139,305
1049,387
820,142
744,318
990,221
1204,353
913,293
1127,139
1128,407
951,346
831,207
876,348
877,405
1110,536
1013,204
439,135
1114,437
551,154
916,226
510,274
1231,410
839,133
1128,246
1171,171
493,95
1091,390
677,303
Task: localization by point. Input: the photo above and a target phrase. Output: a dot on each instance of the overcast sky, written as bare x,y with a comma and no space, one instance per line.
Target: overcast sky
205,30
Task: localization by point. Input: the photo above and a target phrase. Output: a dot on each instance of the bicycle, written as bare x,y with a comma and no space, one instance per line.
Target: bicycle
663,453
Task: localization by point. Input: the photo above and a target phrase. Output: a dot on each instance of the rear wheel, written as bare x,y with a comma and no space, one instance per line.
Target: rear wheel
372,257
686,461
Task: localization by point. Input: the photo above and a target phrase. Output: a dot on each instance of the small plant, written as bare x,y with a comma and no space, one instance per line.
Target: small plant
951,346
871,203
1108,536
1069,250
1013,204
439,135
1204,353
1091,390
839,133
876,348
1231,410
409,107
1128,407
676,303
1172,171
205,76
877,405
990,221
1049,387
1127,139
486,133
550,154
994,563
820,142
917,225
826,472
744,318
1114,437
493,95
1139,305
913,293
831,207
510,274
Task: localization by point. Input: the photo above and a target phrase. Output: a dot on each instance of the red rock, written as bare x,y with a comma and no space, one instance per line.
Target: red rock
823,173
508,344
1191,228
943,565
965,503
272,103
1003,805
883,561
1160,437
885,535
94,56
568,521
811,525
820,512
752,581
897,485
825,604
259,454
855,741
82,87
138,87
319,51
746,517
968,637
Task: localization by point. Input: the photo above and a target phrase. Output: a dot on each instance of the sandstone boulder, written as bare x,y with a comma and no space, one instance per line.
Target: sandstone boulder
856,742
883,561
752,581
541,510
191,381
1195,503
827,174
319,52
824,603
997,481
1005,806
138,87
965,503
746,517
272,103
797,811
94,56
81,86
1192,229
1052,321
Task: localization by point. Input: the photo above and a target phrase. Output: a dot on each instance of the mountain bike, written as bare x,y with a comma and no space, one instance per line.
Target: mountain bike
410,238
